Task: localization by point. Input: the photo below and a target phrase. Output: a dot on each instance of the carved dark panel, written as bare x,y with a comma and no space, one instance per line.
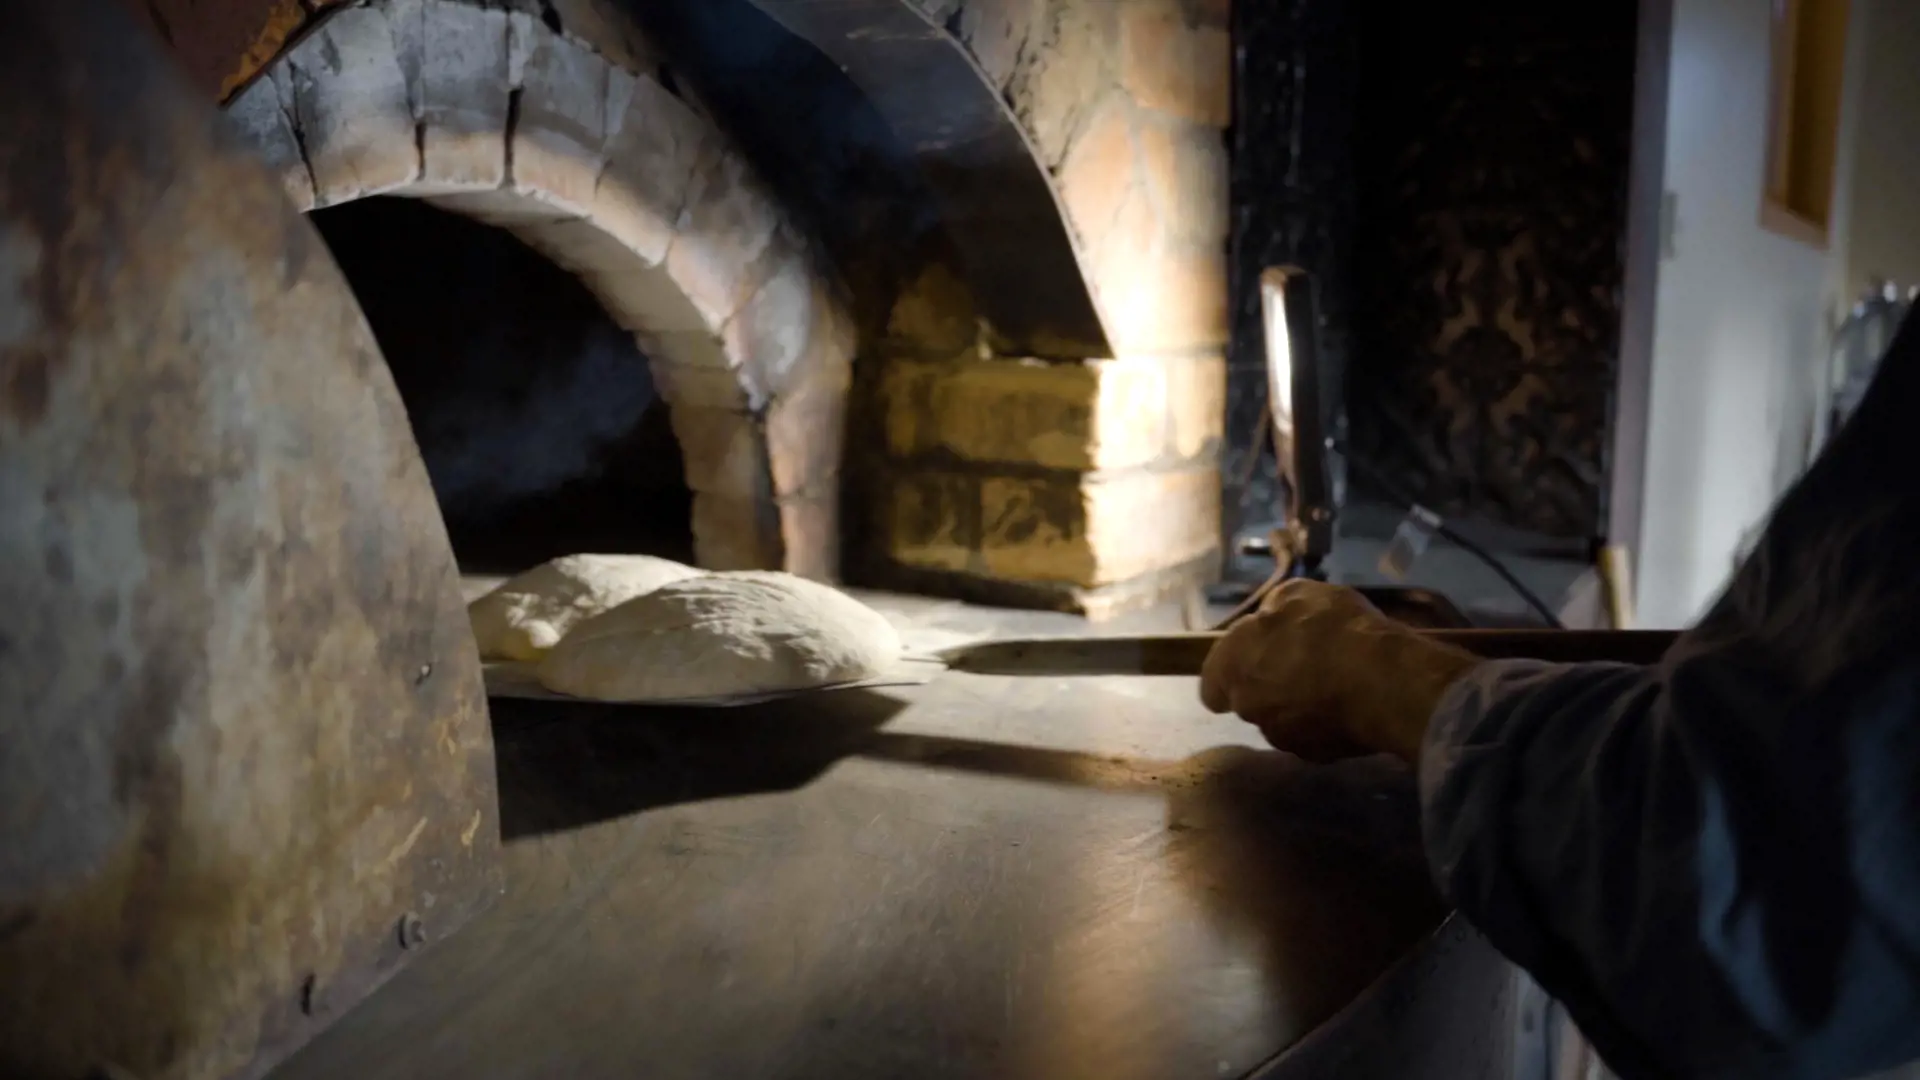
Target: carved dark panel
1493,163
1454,176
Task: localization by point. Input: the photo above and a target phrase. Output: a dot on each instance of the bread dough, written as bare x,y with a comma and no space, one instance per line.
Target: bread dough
722,635
529,613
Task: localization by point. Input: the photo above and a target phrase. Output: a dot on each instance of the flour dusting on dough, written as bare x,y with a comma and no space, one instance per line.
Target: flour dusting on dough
530,612
720,635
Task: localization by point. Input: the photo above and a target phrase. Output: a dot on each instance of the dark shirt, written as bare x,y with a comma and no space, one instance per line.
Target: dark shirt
1715,863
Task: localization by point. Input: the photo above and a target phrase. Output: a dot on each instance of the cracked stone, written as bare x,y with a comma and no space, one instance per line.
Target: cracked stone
724,451
727,223
559,138
649,167
1065,77
772,330
463,97
351,110
1186,171
259,119
1179,69
1100,170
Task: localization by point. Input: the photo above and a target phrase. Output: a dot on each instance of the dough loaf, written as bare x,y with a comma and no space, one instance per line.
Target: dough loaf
529,613
722,635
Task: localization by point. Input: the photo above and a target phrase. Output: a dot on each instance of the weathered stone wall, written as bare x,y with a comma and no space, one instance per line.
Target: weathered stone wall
1087,482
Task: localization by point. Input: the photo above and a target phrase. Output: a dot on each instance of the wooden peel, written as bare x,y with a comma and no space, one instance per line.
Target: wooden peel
1183,654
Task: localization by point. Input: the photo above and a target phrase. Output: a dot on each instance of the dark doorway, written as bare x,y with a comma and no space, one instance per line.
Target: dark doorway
536,414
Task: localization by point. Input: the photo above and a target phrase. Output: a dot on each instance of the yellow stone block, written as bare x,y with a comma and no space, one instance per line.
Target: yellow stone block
1084,416
1197,404
1098,531
930,520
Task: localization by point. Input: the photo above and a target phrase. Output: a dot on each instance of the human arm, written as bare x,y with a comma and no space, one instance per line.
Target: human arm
1683,883
1713,862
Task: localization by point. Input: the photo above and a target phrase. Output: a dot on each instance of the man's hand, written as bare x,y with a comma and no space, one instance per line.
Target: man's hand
1325,676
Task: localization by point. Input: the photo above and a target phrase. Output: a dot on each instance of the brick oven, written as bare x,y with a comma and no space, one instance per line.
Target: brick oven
591,162
914,407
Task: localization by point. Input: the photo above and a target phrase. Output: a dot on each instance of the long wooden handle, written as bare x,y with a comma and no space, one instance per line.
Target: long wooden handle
1183,654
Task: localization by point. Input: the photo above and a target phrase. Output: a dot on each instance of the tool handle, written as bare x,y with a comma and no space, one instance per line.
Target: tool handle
1183,654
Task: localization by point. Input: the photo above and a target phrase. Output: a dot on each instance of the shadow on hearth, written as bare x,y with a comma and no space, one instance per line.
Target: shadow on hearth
564,765
1320,865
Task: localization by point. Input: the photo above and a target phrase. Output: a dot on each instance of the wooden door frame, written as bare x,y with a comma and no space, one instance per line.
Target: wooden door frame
1646,187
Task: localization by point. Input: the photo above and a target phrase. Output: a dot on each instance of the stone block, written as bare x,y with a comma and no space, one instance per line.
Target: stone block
935,314
1170,299
258,116
648,301
461,93
699,387
734,533
583,247
558,141
1096,414
725,227
351,107
1128,255
614,32
1193,290
1035,529
1216,13
810,535
1196,404
932,520
1144,522
1148,591
1067,75
841,334
694,349
771,331
1187,178
649,164
1096,531
1176,67
806,427
407,27
506,208
906,406
1100,169
1130,413
725,451
995,32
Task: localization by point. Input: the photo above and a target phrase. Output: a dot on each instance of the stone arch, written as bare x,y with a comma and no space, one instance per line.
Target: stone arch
597,165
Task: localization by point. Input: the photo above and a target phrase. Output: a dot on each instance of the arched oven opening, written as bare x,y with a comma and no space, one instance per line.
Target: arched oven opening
542,428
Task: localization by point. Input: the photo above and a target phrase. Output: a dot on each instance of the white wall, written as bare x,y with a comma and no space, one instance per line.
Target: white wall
1739,324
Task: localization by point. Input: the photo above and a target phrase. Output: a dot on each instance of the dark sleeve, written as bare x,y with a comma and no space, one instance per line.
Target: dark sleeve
1715,862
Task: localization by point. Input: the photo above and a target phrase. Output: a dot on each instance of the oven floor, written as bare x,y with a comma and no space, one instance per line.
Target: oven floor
979,877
